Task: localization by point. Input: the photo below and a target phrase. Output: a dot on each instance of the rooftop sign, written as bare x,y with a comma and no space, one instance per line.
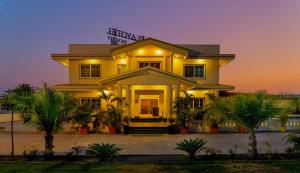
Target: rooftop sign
117,36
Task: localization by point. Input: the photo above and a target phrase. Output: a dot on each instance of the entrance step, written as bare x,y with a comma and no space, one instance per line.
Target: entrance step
148,120
148,130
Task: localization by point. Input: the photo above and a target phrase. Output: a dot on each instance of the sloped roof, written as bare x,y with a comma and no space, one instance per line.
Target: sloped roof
143,71
212,87
152,41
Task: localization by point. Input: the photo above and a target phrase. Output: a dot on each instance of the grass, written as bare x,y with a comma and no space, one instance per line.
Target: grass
207,167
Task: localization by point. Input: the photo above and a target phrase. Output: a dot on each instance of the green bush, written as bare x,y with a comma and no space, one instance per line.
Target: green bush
192,146
294,140
104,152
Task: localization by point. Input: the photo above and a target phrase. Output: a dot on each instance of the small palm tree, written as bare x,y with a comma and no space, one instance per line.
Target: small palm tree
192,146
283,115
109,98
113,115
46,109
249,110
104,152
182,109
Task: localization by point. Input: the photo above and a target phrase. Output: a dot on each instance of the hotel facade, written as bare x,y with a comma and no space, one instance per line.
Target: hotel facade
148,75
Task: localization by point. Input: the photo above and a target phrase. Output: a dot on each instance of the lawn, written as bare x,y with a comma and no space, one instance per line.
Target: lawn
207,167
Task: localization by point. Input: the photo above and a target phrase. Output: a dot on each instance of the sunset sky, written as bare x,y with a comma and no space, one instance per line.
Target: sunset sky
264,35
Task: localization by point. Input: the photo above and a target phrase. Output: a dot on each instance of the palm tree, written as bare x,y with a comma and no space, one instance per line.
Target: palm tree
182,109
6,105
47,110
7,101
191,146
249,110
109,98
113,115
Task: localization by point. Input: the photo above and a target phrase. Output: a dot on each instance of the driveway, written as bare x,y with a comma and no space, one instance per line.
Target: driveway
144,144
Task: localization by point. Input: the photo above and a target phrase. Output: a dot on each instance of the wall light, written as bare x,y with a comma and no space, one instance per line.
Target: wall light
141,51
190,92
123,61
158,52
93,61
107,92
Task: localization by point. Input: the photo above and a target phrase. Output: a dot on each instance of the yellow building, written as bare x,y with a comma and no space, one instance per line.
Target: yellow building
148,75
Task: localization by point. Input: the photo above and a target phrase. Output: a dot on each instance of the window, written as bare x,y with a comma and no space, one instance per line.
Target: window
90,70
194,71
197,103
95,101
151,64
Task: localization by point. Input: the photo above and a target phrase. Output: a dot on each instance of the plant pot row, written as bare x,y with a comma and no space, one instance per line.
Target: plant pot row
85,130
171,130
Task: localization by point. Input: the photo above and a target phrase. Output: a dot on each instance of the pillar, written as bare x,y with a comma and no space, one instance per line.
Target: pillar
169,100
177,91
128,100
119,87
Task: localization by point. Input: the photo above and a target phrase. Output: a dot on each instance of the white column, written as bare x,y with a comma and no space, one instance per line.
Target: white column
120,96
128,100
170,100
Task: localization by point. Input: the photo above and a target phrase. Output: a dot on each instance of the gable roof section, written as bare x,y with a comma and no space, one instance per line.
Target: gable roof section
212,87
150,41
144,71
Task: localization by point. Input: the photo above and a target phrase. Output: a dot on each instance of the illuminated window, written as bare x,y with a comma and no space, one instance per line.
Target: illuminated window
194,71
151,64
197,103
96,101
90,70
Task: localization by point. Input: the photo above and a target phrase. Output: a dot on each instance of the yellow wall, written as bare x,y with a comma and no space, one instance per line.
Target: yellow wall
109,67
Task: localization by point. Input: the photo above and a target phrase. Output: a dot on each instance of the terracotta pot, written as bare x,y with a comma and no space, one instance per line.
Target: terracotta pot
112,130
84,130
242,130
184,130
282,129
213,130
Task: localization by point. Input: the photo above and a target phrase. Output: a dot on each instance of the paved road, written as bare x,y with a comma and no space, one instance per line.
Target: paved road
144,144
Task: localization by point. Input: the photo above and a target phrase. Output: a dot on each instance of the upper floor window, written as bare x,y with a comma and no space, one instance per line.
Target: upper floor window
197,103
194,71
90,70
151,64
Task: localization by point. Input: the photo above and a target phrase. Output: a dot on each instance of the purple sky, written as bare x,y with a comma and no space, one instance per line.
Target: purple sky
264,35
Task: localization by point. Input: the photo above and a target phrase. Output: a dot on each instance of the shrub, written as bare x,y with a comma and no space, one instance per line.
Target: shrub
104,152
294,140
211,153
191,146
31,154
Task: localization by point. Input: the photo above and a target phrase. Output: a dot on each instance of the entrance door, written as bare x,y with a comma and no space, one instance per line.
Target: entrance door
150,107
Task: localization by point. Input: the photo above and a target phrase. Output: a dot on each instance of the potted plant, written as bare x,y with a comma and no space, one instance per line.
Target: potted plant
113,119
113,115
241,128
214,127
283,119
212,115
126,124
83,117
183,112
172,126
